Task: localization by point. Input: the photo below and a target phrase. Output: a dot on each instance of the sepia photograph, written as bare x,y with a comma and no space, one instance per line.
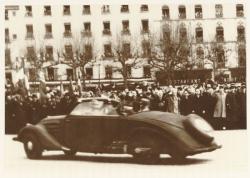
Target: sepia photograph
124,88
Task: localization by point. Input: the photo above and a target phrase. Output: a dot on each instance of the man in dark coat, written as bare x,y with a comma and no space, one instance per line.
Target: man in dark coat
185,103
197,103
208,103
232,109
241,101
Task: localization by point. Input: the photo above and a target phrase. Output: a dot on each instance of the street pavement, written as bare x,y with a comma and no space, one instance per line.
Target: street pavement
230,162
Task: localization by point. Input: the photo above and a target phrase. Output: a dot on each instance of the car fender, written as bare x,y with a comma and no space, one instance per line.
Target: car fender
46,140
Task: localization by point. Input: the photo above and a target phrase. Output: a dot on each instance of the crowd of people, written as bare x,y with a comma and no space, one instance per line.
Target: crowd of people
222,105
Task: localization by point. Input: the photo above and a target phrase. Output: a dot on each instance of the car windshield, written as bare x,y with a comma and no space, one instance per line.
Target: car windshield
94,108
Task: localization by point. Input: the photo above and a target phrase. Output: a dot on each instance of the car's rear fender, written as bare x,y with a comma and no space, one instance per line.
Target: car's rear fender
47,141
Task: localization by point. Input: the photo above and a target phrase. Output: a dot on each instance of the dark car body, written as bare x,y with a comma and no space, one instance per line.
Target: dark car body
98,125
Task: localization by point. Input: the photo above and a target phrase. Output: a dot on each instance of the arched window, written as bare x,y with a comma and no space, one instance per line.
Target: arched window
165,12
199,34
199,53
219,34
182,12
220,57
242,55
241,33
183,34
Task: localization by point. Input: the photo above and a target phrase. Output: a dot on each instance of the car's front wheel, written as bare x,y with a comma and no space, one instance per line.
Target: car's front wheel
32,146
145,149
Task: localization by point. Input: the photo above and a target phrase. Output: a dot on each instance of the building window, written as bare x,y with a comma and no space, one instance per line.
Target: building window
105,9
87,29
183,34
69,73
108,50
66,10
108,72
219,34
239,10
218,11
182,12
126,50
166,33
146,49
47,10
7,35
32,74
165,12
51,73
199,57
242,56
7,57
49,53
29,30
106,28
124,8
31,55
67,30
86,9
198,11
28,11
89,73
146,72
199,35
220,57
144,8
88,51
68,53
145,28
241,33
6,15
125,27
48,31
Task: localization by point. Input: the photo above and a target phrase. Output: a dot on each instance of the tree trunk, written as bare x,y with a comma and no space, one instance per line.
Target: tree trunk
74,74
83,78
125,79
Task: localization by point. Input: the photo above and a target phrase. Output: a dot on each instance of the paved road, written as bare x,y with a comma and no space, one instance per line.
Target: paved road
228,162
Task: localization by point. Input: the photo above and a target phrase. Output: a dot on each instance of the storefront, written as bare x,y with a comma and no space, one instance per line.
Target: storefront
238,74
180,77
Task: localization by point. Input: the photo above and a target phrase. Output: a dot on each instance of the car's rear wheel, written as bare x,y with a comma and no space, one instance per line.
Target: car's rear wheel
32,146
70,152
145,149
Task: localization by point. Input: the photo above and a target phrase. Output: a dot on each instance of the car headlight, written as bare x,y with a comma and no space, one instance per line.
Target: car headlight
202,125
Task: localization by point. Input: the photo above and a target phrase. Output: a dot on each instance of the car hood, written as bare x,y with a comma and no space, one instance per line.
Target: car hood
55,119
158,118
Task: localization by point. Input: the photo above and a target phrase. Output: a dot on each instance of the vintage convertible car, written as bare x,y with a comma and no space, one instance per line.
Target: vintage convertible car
99,125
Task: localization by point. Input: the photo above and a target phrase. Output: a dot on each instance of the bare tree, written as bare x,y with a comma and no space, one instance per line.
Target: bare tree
172,51
127,54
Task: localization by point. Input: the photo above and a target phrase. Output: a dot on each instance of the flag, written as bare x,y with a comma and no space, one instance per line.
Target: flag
71,87
42,91
79,85
61,88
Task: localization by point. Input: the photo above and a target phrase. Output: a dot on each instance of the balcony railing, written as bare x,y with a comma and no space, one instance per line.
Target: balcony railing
199,39
241,37
240,13
86,33
182,15
219,38
66,12
165,16
28,14
48,35
47,13
67,34
86,12
29,35
106,32
108,54
143,31
198,15
125,32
